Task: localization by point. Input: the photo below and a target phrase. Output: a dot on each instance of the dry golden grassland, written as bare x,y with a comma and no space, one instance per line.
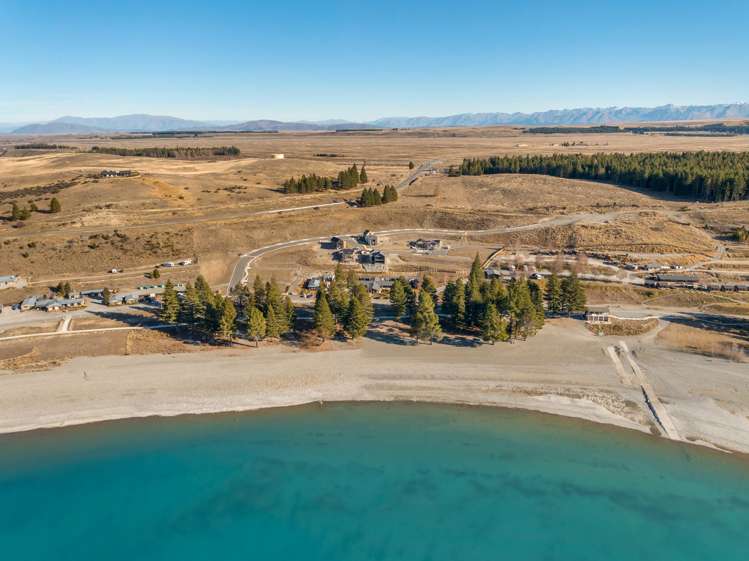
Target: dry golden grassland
206,209
704,342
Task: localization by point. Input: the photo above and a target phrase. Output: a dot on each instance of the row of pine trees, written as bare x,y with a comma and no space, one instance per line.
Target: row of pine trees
373,197
346,179
181,152
496,311
200,309
709,176
343,307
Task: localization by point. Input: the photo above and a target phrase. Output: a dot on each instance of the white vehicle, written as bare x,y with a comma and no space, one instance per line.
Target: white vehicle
186,262
115,271
168,264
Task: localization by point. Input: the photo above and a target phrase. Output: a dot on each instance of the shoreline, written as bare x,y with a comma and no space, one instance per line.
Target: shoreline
574,411
570,414
574,378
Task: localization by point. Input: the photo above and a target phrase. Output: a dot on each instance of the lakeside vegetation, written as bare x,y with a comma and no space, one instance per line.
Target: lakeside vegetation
490,309
347,179
179,152
709,176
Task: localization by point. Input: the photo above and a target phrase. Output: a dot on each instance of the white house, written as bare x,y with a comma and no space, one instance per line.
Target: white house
11,281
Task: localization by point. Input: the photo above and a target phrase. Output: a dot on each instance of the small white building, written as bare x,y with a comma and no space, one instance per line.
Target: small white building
11,281
598,315
278,156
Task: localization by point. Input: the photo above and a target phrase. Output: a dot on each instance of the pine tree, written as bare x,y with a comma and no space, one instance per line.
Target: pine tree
55,206
155,274
187,306
258,288
245,299
212,316
553,294
459,305
256,325
339,298
448,295
106,297
398,298
411,301
15,212
538,304
474,303
272,328
363,175
426,323
324,320
226,320
493,328
498,295
573,294
169,304
428,284
476,276
522,310
204,292
290,313
360,292
356,321
274,299
411,165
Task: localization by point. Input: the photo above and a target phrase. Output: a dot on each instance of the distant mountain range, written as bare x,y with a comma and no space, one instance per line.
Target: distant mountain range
123,123
580,116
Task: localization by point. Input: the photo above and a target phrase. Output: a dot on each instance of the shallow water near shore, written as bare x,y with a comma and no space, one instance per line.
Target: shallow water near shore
367,481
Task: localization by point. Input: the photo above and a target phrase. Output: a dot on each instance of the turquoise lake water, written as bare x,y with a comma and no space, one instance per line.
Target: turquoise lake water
351,482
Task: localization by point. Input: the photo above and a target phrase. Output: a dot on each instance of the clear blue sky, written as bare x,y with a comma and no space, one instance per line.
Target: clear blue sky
362,60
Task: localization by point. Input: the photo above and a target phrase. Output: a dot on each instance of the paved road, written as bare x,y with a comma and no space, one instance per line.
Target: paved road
241,269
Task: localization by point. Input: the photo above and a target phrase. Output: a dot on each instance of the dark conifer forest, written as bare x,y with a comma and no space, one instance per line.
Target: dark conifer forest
707,176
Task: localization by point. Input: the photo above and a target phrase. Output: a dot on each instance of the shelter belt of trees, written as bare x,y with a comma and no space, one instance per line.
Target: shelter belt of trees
708,176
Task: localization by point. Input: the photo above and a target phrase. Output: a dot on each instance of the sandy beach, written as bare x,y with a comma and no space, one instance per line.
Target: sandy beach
564,370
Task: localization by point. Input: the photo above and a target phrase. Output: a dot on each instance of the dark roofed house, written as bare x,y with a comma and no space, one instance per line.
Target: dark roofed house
377,284
671,280
347,254
373,261
369,238
685,279
57,304
422,245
